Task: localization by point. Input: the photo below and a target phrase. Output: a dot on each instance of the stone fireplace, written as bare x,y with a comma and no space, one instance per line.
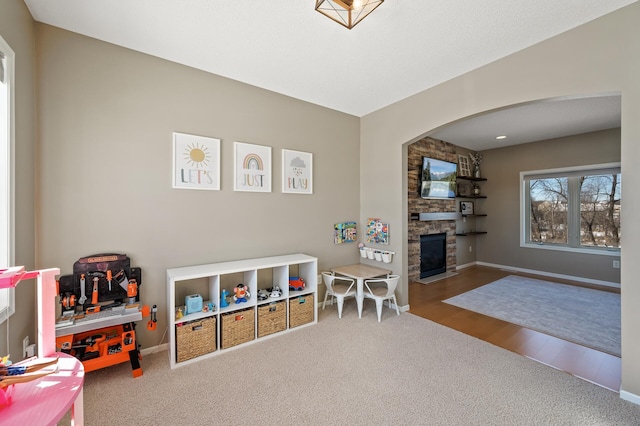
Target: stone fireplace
429,216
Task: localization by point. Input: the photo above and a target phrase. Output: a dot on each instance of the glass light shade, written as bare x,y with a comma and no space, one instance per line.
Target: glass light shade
347,12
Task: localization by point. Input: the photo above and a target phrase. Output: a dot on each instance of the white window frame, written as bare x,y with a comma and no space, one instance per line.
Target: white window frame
7,183
525,176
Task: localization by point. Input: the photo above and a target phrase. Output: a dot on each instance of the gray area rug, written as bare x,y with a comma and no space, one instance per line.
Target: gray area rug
581,315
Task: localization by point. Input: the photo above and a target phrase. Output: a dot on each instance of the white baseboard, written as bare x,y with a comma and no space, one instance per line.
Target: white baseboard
549,274
466,265
154,349
628,396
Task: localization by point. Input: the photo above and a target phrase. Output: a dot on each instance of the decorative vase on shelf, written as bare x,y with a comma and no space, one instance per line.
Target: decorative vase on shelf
476,171
476,190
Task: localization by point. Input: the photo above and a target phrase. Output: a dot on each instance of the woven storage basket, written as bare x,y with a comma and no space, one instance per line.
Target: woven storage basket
300,310
237,327
195,338
272,318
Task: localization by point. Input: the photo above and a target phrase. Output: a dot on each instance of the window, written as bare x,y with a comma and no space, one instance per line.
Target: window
6,172
576,209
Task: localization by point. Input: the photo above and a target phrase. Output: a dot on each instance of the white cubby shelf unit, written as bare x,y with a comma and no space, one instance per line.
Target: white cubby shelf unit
259,273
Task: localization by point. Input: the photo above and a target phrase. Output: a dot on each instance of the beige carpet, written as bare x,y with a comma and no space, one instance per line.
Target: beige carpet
405,370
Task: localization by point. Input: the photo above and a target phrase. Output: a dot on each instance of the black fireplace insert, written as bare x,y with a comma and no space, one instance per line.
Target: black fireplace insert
433,254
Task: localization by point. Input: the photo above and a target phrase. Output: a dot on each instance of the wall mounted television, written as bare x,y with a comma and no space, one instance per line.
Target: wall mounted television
437,178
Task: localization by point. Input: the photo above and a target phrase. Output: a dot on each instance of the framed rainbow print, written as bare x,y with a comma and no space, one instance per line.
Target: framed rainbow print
196,162
297,172
252,167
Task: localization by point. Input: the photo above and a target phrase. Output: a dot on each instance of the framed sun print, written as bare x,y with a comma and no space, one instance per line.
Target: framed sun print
297,172
252,167
196,162
465,165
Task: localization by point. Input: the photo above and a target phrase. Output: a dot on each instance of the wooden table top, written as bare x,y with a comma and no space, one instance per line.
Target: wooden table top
360,271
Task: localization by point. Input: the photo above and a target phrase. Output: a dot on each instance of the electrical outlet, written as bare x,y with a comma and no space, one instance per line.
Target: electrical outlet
616,264
25,343
470,249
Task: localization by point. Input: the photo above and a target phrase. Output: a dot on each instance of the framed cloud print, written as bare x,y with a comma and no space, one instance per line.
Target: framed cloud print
297,172
252,168
196,162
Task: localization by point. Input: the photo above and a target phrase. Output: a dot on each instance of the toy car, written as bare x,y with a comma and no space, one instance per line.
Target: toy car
296,283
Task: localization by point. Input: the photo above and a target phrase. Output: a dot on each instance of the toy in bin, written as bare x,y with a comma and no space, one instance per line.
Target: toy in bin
241,293
296,283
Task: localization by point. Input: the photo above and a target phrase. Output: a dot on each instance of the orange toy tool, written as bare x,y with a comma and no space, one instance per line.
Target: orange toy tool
94,295
132,288
132,291
109,278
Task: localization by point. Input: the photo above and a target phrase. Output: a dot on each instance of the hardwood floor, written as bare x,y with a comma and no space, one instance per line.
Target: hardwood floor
425,300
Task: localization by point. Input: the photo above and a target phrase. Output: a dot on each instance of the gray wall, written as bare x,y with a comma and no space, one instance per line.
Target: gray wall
17,29
106,120
599,57
502,167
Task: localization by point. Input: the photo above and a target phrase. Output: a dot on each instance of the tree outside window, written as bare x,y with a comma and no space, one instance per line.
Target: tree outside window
573,208
549,206
600,210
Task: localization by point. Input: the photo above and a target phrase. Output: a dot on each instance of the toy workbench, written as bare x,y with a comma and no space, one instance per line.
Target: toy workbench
100,307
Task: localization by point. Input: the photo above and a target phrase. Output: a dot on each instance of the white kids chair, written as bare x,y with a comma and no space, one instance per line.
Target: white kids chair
381,289
338,287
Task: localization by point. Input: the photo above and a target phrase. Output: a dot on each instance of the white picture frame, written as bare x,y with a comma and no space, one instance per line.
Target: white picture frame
465,165
196,162
466,208
297,172
252,172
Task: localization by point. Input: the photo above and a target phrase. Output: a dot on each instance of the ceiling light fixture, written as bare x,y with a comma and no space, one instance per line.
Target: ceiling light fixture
501,137
347,12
